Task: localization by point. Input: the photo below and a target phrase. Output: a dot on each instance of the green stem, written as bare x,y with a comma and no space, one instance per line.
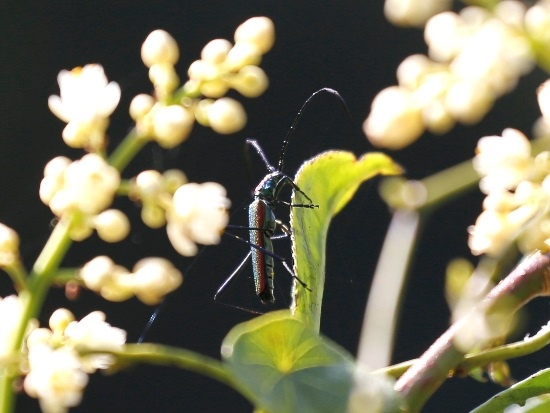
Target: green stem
471,361
32,300
181,358
177,357
128,148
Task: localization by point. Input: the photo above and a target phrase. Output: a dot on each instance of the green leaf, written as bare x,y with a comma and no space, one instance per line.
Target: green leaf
535,385
330,180
284,366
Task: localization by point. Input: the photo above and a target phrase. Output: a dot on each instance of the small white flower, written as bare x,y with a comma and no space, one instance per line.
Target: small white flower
88,185
86,101
503,161
198,215
55,378
93,333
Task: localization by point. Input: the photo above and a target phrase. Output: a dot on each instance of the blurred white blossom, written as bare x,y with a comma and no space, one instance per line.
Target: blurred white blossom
57,373
85,187
517,185
85,103
476,56
152,279
198,215
55,378
503,161
155,190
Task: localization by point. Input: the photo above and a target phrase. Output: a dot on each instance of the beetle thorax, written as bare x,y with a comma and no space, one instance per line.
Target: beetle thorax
268,189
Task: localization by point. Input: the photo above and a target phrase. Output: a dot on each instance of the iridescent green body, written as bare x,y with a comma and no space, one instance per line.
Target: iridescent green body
262,224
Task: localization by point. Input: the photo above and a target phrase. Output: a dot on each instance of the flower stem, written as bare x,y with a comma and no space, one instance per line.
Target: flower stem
127,149
32,299
173,356
471,361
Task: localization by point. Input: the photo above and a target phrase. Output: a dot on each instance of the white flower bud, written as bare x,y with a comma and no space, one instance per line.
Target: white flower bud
9,246
112,225
243,54
153,216
154,278
201,70
468,102
411,70
60,319
201,111
215,88
172,125
395,121
173,179
412,12
216,51
141,105
251,81
149,182
259,31
226,116
164,78
97,272
159,47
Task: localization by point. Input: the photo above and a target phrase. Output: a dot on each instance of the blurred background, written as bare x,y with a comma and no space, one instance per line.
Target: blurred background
346,45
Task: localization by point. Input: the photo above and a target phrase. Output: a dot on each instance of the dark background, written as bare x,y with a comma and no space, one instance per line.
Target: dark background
346,45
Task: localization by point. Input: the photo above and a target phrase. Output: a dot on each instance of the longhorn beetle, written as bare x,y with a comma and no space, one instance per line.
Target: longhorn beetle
261,217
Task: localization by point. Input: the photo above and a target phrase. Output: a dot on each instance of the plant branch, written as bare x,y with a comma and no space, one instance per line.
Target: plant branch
531,278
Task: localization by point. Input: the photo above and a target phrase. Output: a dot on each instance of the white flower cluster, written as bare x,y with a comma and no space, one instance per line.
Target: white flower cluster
150,281
85,104
169,116
475,56
57,371
193,213
517,184
84,187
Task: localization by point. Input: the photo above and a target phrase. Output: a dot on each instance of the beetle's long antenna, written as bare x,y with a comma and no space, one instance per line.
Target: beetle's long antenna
299,115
